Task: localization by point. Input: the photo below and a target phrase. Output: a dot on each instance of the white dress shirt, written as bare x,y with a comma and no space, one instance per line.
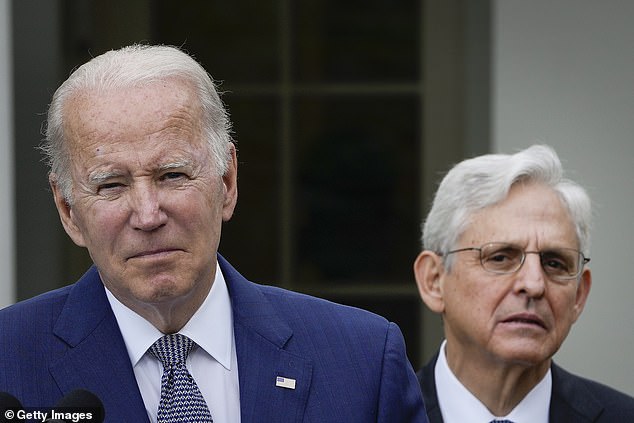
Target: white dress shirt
459,405
212,362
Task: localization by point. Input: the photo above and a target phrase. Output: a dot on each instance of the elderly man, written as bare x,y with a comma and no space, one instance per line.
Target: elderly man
506,247
162,328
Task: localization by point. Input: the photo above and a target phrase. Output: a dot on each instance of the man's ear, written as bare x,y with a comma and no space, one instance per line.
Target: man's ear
583,290
66,214
230,182
428,271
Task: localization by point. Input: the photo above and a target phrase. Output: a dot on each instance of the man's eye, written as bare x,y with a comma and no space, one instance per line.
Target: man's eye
556,263
498,257
109,186
173,175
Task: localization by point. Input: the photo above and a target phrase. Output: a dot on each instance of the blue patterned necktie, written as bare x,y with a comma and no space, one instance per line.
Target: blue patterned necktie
181,400
500,421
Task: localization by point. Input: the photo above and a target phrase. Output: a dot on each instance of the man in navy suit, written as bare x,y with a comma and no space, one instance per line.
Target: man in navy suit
505,264
143,173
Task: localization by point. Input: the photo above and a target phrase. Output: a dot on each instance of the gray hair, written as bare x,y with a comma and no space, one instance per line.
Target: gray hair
483,181
135,66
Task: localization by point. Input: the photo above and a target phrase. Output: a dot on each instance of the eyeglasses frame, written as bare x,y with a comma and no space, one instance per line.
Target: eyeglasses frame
584,260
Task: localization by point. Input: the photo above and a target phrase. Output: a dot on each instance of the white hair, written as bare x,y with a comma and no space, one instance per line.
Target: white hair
483,181
134,66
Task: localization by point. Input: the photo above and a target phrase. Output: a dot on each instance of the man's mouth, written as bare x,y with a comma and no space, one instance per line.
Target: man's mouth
152,253
525,319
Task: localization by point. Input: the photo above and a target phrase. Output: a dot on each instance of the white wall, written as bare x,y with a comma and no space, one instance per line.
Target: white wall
7,244
563,73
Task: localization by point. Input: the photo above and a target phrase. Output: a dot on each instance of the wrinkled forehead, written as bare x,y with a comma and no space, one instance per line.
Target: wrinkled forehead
529,213
117,113
146,96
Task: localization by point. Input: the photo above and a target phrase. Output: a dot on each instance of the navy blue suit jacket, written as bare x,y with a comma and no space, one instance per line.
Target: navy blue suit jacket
349,365
573,400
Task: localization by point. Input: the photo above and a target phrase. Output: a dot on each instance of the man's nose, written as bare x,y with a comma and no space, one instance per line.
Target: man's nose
147,213
531,279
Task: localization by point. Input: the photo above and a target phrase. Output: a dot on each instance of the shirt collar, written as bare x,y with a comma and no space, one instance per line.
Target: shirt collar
211,327
458,404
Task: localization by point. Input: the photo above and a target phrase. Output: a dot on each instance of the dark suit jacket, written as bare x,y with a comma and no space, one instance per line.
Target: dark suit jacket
574,399
349,365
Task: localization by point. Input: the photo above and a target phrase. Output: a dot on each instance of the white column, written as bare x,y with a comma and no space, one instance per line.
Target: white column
562,75
7,221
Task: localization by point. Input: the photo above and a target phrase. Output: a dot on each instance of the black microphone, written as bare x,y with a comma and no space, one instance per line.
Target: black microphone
9,407
78,406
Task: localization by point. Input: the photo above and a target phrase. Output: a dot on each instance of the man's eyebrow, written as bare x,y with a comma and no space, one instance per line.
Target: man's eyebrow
102,176
174,165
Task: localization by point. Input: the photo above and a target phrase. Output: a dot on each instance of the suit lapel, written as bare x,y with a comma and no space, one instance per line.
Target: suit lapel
427,379
261,336
96,358
259,365
571,400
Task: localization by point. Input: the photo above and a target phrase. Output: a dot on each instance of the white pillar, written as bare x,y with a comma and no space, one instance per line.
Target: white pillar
7,221
562,75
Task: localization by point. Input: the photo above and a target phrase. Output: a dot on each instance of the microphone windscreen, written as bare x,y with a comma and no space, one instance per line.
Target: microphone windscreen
81,401
9,406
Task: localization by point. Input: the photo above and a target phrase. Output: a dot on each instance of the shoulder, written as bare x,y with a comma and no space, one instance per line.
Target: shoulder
47,306
348,345
616,405
33,312
427,381
326,313
27,341
251,300
426,373
284,296
37,316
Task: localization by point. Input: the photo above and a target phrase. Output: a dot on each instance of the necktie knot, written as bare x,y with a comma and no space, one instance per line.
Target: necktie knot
172,349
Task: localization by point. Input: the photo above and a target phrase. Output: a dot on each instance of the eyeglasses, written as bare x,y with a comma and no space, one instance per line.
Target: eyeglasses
560,264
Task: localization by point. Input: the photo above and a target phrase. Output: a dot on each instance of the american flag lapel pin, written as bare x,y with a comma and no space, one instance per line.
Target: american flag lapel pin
285,382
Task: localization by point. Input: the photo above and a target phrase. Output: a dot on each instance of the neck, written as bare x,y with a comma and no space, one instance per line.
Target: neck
170,321
498,385
168,316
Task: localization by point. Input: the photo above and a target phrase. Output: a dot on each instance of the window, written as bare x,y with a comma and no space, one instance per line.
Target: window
345,113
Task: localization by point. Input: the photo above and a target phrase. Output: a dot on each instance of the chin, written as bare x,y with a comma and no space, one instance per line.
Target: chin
526,356
163,290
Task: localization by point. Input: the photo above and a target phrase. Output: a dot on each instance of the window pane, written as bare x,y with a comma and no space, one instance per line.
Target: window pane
356,41
250,240
356,188
402,311
234,40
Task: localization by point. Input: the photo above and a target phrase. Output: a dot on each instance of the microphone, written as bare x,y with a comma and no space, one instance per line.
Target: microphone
78,406
9,407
